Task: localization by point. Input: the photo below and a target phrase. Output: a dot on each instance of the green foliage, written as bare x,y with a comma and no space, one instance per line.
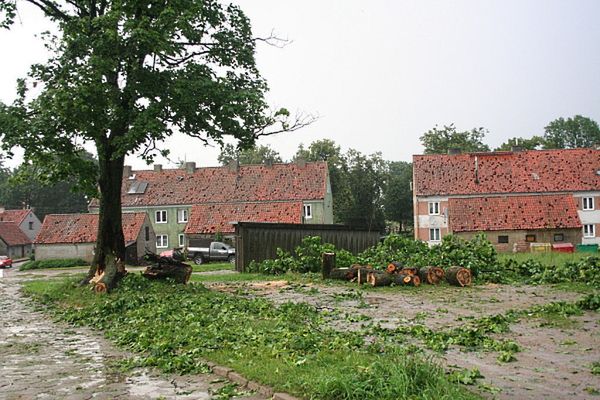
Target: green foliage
590,302
59,263
289,347
571,133
595,369
466,376
254,155
397,194
440,140
534,143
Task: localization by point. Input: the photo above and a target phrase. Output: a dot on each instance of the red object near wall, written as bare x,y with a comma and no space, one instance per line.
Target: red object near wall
563,247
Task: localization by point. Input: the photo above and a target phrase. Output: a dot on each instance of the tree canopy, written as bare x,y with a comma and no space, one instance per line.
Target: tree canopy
125,74
254,155
571,133
534,143
440,140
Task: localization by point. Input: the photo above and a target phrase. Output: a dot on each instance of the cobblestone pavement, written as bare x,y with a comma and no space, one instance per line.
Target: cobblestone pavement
41,359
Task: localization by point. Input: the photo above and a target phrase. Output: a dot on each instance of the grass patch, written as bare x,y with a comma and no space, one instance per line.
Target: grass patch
59,263
289,347
548,259
212,267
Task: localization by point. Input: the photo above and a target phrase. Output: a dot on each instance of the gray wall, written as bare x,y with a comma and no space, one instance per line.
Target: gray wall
84,251
259,241
36,225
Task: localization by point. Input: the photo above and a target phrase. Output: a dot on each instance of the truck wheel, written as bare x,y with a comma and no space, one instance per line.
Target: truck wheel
231,259
199,260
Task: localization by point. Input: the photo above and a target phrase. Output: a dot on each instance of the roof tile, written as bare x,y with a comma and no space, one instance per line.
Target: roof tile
16,216
12,235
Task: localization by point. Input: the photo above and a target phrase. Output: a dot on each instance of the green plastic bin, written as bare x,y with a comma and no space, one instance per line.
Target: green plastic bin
587,248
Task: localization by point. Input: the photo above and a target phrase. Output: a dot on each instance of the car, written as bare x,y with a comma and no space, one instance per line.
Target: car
5,262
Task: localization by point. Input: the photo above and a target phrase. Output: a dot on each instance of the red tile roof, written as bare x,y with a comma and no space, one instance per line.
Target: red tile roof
83,228
279,182
507,172
12,235
513,213
213,218
16,216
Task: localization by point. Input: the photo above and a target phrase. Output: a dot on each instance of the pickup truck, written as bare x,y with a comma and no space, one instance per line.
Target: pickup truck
216,251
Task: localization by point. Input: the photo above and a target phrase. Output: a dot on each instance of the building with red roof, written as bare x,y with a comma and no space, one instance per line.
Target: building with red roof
74,236
204,201
515,197
25,219
13,241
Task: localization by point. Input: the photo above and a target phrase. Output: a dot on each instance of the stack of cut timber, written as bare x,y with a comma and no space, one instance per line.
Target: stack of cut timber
379,278
407,279
166,267
431,275
458,276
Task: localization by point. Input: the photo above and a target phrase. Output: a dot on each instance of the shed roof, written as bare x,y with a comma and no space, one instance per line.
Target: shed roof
12,235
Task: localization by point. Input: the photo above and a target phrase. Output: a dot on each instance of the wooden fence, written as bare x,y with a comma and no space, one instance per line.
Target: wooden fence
259,241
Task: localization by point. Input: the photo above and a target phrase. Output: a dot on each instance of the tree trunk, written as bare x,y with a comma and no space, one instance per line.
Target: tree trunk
458,276
379,278
345,274
327,264
407,280
108,266
165,267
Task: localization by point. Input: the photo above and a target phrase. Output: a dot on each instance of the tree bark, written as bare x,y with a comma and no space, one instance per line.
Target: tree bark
327,264
109,257
431,275
379,278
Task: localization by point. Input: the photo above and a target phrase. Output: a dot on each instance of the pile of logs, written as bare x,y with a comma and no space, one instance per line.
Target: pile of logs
395,273
167,267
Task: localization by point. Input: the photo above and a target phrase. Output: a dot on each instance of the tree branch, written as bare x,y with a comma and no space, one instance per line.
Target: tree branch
274,40
51,9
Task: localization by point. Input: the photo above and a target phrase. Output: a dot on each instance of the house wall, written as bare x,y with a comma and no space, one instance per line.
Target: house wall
589,217
424,221
15,252
36,225
84,251
517,237
144,245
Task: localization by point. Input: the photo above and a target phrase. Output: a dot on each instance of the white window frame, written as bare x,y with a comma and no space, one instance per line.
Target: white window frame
588,204
163,240
158,217
434,208
181,240
307,211
589,231
432,234
182,213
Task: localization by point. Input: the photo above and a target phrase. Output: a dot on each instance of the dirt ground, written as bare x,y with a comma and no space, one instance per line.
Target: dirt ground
40,359
555,363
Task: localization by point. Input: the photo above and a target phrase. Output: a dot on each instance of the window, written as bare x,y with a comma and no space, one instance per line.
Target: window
162,241
588,203
559,237
30,225
182,216
181,240
307,211
161,217
503,239
530,238
434,234
434,208
147,233
589,230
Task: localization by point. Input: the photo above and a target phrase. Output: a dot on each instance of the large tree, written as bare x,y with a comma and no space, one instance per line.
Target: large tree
255,155
571,133
534,143
440,140
397,194
125,74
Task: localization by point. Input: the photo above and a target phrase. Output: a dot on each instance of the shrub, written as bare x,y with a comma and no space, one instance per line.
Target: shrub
58,263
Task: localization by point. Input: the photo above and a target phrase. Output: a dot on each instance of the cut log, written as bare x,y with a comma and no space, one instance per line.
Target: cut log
394,267
409,271
363,273
345,274
458,276
327,264
165,267
407,280
379,278
431,275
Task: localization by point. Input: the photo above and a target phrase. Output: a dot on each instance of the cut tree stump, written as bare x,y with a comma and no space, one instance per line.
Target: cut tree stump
409,271
394,267
458,276
431,275
165,267
379,278
327,264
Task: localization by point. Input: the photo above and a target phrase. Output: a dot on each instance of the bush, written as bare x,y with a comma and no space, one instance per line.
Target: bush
58,263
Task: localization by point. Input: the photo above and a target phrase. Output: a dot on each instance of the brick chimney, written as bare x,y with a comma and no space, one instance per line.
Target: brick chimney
234,165
301,162
157,167
190,167
127,171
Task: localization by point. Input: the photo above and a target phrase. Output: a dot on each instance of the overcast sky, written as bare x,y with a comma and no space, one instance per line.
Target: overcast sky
381,73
